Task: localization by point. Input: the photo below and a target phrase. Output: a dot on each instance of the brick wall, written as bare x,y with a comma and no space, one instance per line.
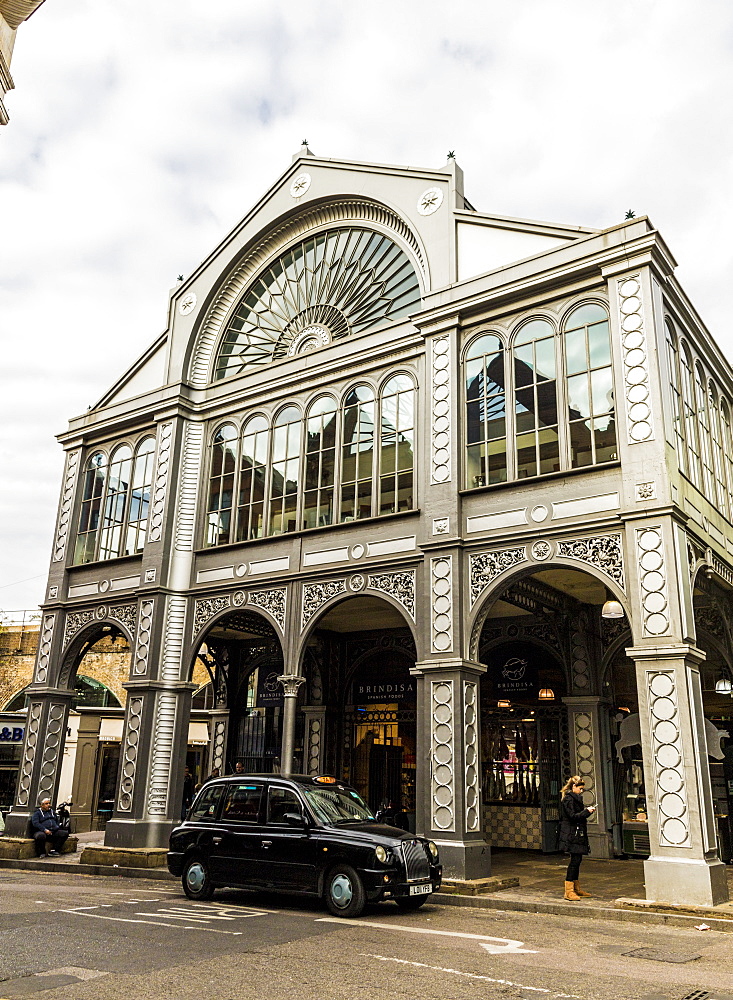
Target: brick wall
108,662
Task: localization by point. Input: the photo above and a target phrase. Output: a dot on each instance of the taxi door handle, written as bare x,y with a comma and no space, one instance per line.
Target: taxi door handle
267,843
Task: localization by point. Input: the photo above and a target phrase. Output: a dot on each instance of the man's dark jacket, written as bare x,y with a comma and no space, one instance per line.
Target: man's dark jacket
41,821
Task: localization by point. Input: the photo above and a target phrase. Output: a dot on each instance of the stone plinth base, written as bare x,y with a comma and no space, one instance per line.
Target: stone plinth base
465,860
125,857
695,883
20,848
477,886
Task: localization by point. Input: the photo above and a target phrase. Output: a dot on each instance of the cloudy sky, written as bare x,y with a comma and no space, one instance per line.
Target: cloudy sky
141,133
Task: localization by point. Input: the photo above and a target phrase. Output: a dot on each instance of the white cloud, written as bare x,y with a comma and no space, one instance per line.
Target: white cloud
140,135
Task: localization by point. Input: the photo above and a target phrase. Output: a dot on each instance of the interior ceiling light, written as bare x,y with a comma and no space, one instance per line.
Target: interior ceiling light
547,694
503,703
612,609
723,686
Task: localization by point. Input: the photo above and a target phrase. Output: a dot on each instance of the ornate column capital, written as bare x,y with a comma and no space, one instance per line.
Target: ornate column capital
673,651
444,666
291,683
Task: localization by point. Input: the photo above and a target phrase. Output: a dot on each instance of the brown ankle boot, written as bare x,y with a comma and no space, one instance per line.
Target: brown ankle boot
579,891
570,892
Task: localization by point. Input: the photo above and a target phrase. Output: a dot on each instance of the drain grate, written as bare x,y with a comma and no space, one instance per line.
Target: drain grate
660,955
707,995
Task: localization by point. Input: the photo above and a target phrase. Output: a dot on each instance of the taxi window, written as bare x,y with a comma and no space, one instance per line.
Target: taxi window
281,801
207,803
243,803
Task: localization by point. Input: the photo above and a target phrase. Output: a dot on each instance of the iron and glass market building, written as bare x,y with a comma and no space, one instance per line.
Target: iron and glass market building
442,500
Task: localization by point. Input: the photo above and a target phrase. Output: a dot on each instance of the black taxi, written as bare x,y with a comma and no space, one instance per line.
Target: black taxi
300,834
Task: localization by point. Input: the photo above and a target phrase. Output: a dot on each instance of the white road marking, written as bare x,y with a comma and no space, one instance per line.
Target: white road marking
500,946
159,923
473,975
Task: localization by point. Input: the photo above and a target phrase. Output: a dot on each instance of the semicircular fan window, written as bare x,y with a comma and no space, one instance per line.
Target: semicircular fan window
330,285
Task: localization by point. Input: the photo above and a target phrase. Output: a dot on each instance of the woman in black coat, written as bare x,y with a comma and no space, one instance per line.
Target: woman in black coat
574,832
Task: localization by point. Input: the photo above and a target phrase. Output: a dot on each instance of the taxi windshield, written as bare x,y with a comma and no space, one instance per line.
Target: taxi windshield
337,805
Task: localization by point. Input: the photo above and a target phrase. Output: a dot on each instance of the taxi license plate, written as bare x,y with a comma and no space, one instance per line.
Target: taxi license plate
420,890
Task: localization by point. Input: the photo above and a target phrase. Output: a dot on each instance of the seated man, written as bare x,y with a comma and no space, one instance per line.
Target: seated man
46,829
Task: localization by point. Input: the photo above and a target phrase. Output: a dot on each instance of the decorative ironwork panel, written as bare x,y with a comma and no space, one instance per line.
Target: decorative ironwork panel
51,747
75,621
125,614
483,567
206,608
400,586
604,552
130,751
653,580
142,639
669,771
471,743
440,471
29,753
441,579
315,595
272,601
44,648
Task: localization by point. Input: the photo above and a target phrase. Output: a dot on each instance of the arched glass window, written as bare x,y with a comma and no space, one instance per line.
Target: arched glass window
727,433
327,286
95,479
142,478
703,423
535,397
397,445
285,480
221,486
115,503
252,475
716,435
485,412
689,416
673,362
589,380
319,495
357,453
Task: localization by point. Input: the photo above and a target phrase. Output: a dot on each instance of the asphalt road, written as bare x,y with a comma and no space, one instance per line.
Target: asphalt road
87,938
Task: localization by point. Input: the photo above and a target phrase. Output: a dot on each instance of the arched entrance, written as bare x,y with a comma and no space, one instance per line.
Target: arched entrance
545,713
243,658
360,708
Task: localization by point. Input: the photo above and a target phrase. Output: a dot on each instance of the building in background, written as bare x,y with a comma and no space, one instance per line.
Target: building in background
441,501
12,15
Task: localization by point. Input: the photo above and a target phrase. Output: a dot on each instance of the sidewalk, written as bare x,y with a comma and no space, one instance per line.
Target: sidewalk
617,887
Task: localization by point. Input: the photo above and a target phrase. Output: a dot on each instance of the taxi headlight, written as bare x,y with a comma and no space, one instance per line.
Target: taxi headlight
380,853
433,850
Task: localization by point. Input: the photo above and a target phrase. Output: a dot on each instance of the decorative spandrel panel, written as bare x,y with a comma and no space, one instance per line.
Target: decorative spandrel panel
485,567
603,552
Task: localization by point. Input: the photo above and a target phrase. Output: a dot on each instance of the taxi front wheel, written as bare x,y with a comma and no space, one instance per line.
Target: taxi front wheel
196,880
345,895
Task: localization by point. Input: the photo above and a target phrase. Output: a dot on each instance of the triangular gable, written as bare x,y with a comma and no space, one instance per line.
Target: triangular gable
147,374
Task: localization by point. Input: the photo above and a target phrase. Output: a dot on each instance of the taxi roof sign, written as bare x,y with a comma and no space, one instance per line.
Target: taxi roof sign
325,779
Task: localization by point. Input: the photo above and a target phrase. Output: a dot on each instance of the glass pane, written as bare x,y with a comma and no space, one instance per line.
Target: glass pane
474,378
575,360
389,456
585,314
534,330
312,471
288,415
278,477
497,465
483,345
474,467
279,444
523,365
328,466
405,417
547,404
404,491
364,499
601,390
605,439
549,451
347,504
581,453
599,345
526,460
387,495
578,397
474,428
545,358
525,409
405,457
398,383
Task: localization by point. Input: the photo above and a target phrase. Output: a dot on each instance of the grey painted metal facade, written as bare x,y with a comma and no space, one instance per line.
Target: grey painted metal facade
635,527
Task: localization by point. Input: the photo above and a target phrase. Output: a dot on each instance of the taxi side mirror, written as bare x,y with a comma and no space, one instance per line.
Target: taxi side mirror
294,819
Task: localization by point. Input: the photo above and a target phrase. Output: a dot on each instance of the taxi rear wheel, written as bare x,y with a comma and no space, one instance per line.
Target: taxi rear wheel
345,895
411,902
197,880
